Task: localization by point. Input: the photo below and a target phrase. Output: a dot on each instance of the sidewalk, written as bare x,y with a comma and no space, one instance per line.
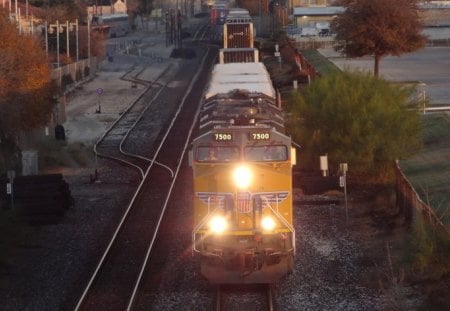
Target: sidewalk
92,108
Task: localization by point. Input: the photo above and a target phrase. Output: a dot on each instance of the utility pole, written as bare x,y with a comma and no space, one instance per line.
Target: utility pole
260,18
89,41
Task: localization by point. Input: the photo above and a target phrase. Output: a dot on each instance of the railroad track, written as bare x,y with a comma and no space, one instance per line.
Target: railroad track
115,281
201,34
251,297
111,143
114,143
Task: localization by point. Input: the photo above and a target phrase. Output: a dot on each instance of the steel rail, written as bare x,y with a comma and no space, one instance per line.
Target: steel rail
123,115
188,138
124,216
270,298
200,33
127,211
267,290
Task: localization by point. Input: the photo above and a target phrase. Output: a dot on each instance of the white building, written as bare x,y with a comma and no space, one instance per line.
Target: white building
119,7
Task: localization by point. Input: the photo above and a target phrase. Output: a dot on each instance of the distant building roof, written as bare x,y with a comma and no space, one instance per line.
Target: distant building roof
434,5
319,11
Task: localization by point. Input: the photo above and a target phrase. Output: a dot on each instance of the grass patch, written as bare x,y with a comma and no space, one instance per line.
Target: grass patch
425,252
436,130
429,170
418,260
320,62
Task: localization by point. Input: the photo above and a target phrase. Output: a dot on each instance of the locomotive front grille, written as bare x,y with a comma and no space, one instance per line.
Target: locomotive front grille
243,205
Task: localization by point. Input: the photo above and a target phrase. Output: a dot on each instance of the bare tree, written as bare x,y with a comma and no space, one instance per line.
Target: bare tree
378,28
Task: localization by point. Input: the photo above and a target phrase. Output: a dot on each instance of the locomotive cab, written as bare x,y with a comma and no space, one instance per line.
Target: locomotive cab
243,204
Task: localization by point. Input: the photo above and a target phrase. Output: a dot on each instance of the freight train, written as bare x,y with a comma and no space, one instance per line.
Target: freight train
242,164
218,13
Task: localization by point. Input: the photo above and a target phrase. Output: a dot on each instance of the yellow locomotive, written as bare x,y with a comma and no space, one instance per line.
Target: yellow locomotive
242,169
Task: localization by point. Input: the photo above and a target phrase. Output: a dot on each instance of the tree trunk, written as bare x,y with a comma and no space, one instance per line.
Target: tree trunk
376,65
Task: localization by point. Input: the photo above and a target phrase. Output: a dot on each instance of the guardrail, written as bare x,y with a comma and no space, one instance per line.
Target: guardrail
316,42
436,109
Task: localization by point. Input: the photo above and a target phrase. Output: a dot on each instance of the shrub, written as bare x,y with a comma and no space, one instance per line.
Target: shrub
78,75
66,80
87,71
426,251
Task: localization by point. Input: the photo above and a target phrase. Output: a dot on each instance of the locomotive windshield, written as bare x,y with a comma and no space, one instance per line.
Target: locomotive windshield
265,153
217,154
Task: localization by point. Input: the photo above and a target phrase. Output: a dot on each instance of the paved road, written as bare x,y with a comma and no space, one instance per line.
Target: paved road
429,66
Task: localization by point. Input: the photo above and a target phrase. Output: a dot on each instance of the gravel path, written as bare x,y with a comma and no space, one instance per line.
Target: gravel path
48,271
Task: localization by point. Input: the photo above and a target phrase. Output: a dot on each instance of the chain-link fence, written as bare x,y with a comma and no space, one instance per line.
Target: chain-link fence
410,204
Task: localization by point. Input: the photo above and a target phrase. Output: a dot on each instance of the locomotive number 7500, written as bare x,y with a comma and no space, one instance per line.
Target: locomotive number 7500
260,136
223,136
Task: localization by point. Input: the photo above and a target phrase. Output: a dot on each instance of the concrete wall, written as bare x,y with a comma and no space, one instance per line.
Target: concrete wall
71,69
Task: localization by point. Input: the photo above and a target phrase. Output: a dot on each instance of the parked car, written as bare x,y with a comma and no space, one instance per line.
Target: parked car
309,31
324,32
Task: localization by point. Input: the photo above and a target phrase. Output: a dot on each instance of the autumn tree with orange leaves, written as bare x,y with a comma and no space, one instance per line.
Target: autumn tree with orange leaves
378,28
26,91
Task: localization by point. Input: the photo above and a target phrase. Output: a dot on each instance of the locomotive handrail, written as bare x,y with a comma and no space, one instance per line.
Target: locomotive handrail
282,219
285,222
196,229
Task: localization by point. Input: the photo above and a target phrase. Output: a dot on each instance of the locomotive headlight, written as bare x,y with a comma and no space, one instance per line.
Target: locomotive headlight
218,224
242,176
268,223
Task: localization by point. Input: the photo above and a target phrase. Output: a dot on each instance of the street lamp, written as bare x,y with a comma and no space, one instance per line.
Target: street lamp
89,40
260,18
59,28
49,30
71,27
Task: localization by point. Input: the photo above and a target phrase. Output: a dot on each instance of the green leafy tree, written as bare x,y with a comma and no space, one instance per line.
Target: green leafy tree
26,91
355,118
378,28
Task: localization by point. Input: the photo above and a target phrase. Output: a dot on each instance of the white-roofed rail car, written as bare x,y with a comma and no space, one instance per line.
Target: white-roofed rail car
242,169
